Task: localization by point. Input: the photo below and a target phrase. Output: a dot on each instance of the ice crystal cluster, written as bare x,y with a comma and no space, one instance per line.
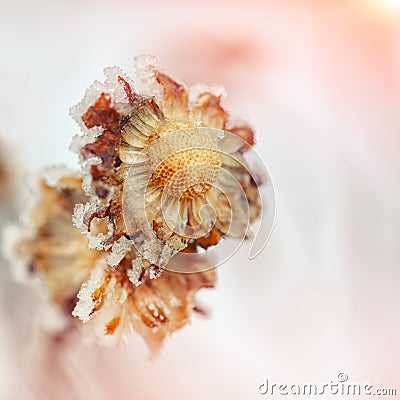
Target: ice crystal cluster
162,173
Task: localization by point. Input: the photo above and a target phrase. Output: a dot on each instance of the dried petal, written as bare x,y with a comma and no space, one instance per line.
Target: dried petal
111,306
244,132
175,97
57,252
208,109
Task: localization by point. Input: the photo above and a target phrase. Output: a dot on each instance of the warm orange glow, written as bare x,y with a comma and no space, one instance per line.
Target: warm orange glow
387,9
386,5
390,3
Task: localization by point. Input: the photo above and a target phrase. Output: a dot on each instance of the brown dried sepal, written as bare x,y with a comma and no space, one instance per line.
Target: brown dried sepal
102,114
107,175
106,148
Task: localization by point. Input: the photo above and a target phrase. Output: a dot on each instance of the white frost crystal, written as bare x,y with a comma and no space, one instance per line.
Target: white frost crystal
84,308
134,272
118,251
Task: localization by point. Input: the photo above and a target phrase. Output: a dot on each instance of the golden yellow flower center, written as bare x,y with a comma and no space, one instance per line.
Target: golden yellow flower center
188,173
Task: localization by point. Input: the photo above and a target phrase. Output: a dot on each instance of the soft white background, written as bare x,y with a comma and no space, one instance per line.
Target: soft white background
320,81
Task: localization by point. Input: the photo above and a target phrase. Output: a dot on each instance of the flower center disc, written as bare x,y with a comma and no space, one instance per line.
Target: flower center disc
188,173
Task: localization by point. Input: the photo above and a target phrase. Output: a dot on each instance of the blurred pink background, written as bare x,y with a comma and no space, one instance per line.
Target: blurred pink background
320,81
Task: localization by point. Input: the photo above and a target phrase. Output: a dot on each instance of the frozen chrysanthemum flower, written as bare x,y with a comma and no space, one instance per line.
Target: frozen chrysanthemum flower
164,171
164,168
79,279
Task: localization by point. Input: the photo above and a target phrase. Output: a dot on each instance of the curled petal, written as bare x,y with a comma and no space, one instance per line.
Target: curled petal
111,306
244,132
165,304
175,97
207,108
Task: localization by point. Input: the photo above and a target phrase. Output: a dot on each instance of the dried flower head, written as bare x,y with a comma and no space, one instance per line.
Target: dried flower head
79,280
55,250
163,173
165,168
